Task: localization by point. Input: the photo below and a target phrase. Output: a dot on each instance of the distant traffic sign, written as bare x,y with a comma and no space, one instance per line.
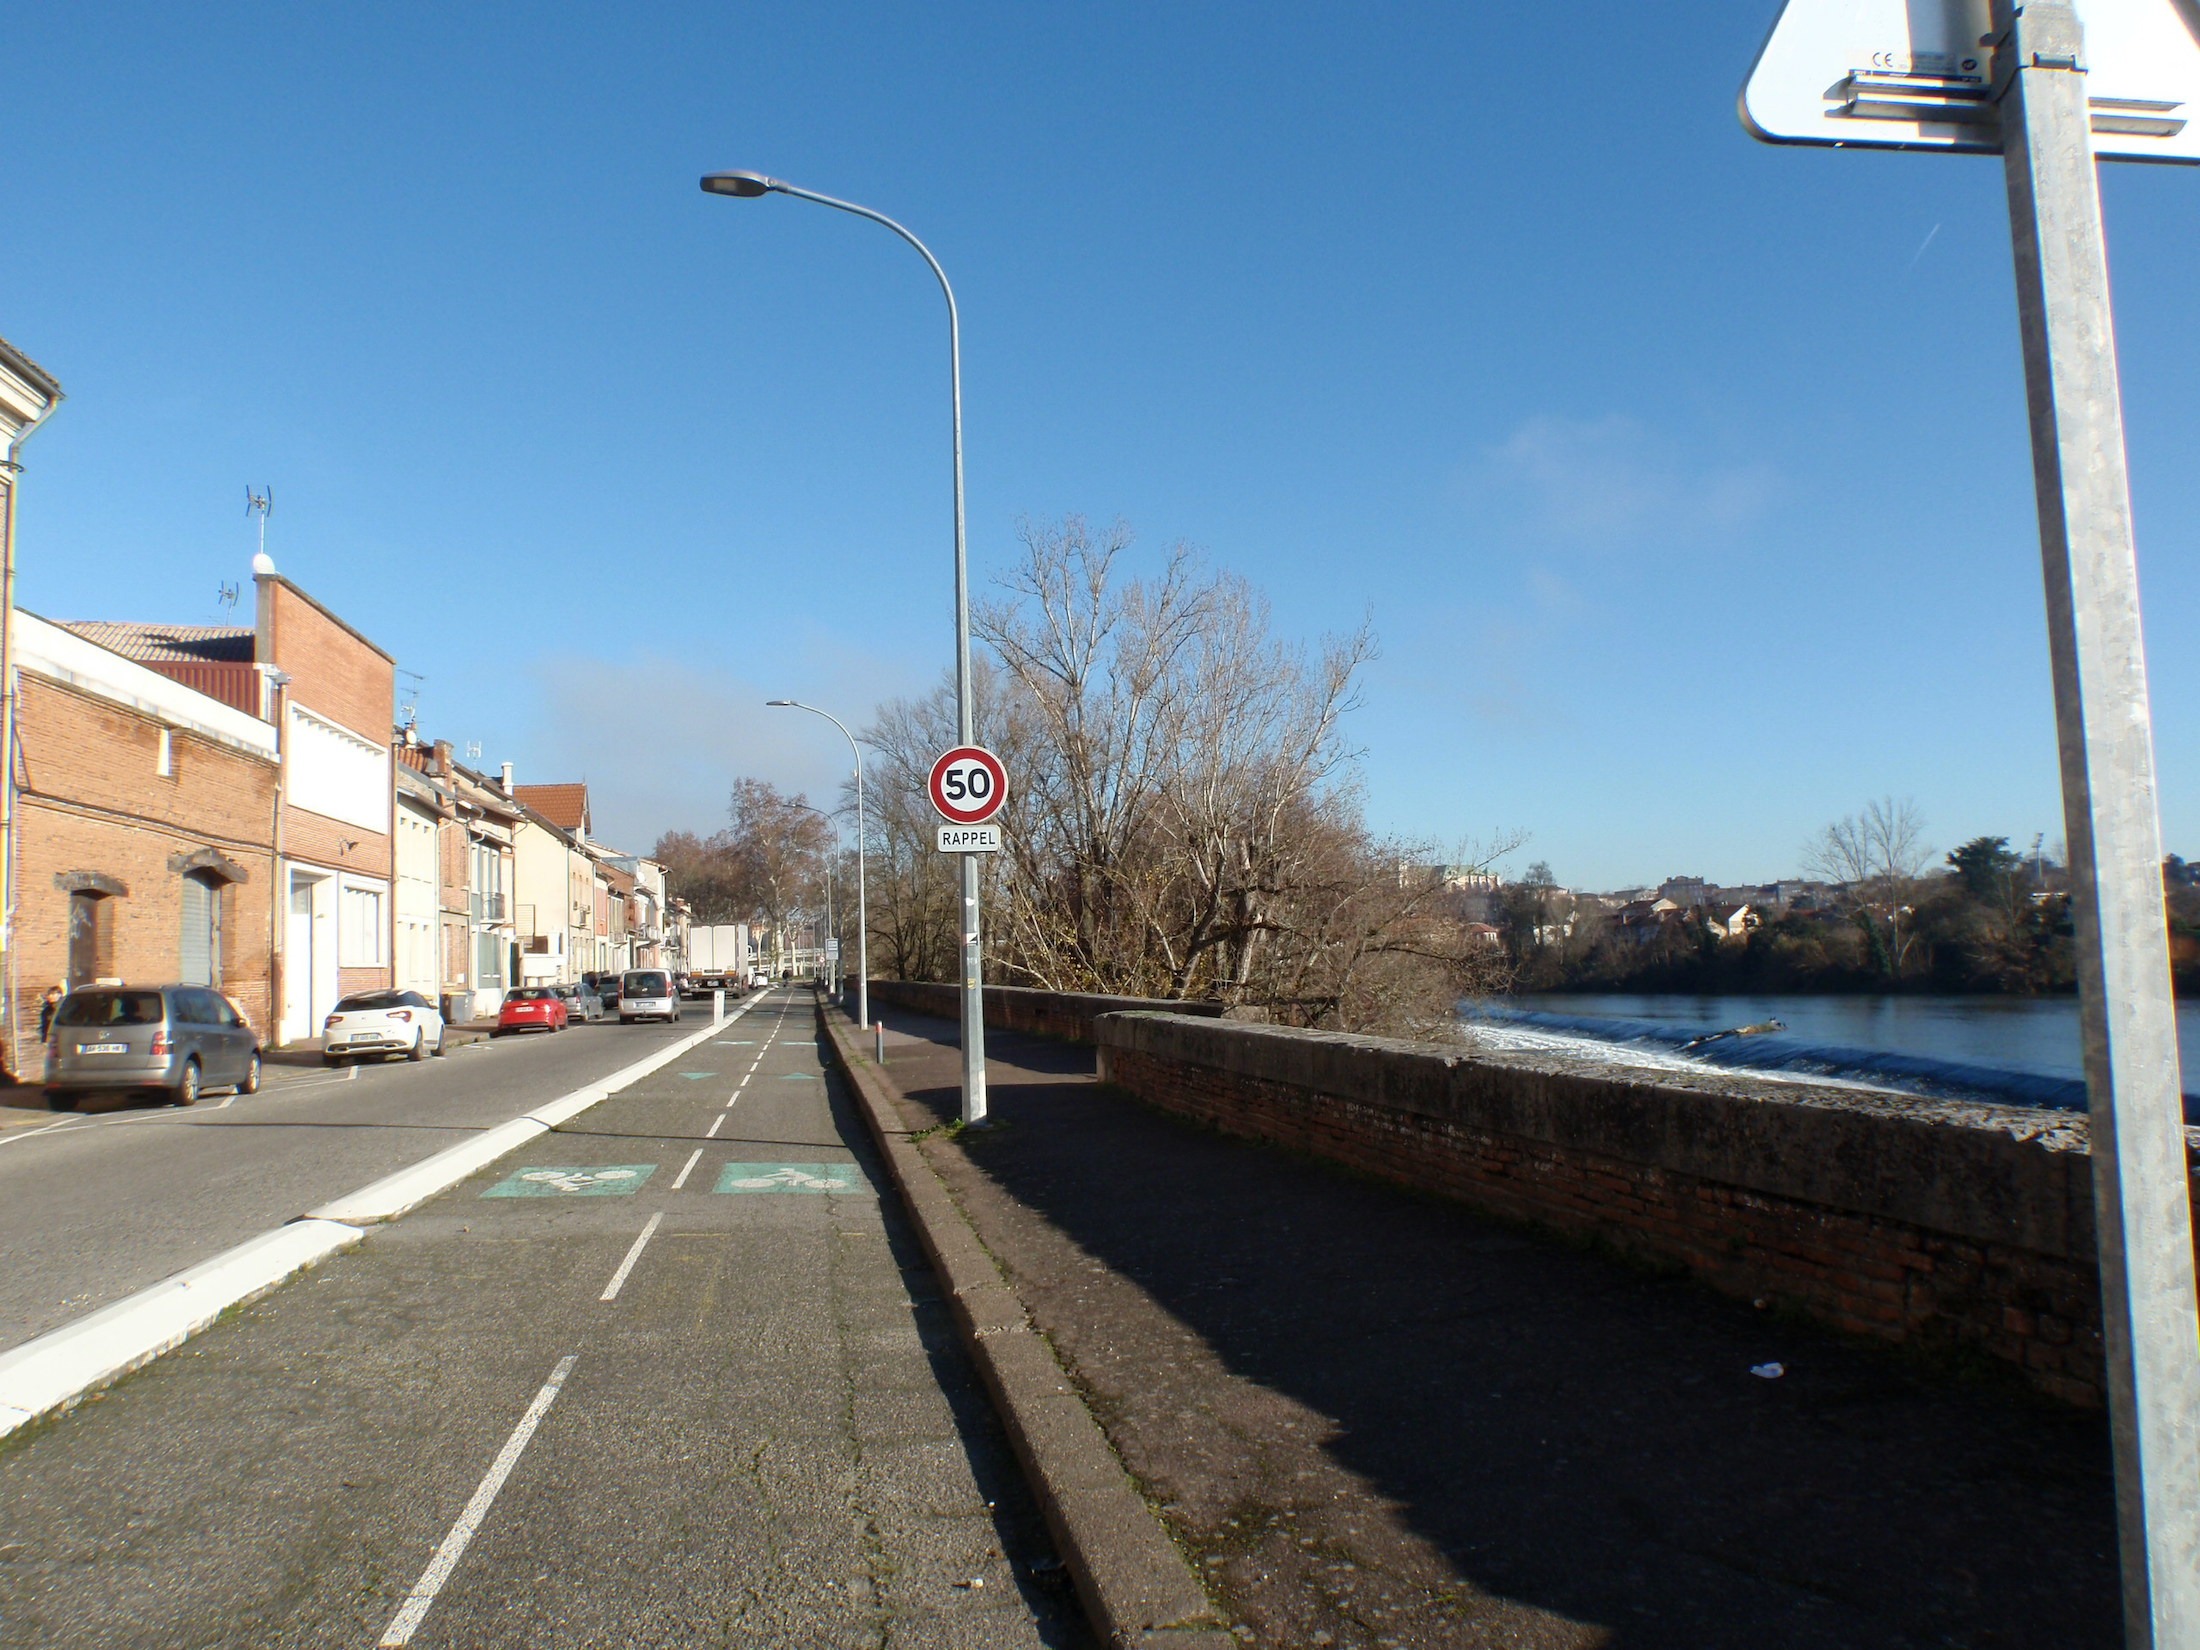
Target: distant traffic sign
968,785
970,839
1896,74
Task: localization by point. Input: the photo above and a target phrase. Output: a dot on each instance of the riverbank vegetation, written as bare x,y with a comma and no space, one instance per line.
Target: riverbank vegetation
1982,919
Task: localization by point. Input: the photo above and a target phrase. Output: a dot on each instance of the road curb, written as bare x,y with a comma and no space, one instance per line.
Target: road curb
1135,1585
55,1370
59,1367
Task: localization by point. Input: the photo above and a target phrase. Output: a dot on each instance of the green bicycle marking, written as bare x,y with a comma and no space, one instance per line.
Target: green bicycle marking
790,1177
605,1180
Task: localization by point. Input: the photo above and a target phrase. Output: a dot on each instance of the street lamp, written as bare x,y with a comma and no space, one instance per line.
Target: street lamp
747,186
831,906
863,914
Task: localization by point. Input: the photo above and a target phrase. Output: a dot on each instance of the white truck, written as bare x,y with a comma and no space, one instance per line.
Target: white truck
718,957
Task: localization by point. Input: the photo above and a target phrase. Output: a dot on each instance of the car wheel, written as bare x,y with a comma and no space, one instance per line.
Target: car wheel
332,1059
419,1050
61,1100
251,1080
437,1051
186,1091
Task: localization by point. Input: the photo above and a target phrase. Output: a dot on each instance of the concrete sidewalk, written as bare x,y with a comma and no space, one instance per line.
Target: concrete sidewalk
1376,1419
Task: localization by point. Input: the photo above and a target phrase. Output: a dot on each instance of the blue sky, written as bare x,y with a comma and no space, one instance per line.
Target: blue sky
1685,480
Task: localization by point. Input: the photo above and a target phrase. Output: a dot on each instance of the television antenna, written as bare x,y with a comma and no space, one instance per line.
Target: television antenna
262,505
408,704
473,750
226,594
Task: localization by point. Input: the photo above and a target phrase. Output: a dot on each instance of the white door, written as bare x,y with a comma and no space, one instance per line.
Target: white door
298,961
309,955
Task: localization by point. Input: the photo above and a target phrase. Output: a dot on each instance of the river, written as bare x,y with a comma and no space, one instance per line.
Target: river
2007,1048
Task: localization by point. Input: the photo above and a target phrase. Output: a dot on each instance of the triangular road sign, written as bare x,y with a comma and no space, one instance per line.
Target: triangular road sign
1918,74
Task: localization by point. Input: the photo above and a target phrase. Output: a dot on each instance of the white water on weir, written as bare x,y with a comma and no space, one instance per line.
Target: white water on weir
2010,1051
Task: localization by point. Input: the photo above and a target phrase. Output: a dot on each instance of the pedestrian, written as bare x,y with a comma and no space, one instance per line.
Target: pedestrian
47,1009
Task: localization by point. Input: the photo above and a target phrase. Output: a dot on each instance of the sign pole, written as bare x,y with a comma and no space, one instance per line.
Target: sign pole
967,786
2141,1198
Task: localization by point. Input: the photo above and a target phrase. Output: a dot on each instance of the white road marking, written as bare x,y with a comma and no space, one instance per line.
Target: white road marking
687,1168
618,1278
44,1128
415,1608
711,1133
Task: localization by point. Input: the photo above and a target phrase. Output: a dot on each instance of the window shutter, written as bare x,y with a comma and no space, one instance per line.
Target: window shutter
198,932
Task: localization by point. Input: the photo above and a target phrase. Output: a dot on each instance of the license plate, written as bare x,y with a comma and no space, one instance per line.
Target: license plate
103,1048
366,1036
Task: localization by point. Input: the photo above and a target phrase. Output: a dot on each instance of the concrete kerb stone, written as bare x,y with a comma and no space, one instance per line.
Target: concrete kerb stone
1135,1585
57,1369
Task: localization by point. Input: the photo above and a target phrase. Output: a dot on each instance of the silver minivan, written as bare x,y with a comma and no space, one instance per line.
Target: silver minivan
648,994
181,1039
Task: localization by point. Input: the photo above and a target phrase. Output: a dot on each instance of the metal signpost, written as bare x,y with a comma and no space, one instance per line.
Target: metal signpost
968,786
2049,95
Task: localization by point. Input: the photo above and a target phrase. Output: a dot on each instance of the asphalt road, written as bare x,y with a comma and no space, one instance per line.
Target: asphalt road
94,1207
689,1385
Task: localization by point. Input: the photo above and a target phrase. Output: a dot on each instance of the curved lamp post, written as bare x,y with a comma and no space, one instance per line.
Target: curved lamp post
748,186
863,914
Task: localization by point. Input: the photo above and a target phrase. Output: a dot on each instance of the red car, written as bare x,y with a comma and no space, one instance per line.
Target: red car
531,1008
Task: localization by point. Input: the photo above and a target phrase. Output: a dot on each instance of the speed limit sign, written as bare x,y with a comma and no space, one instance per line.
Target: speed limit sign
968,785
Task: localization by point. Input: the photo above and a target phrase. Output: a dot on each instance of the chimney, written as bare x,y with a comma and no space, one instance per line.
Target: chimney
507,779
442,763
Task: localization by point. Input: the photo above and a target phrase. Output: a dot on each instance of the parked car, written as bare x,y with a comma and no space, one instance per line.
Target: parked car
381,1023
606,986
532,1008
180,1039
647,994
581,1002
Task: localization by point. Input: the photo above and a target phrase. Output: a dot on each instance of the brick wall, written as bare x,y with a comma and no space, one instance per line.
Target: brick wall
1068,1015
1921,1222
92,801
332,668
331,842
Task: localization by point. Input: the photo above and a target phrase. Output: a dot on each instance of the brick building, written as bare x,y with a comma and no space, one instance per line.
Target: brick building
336,692
328,692
145,831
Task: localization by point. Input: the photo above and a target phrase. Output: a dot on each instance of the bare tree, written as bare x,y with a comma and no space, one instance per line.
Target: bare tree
1877,856
1182,821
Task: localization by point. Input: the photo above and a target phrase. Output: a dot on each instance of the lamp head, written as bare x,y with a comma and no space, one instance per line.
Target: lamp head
784,704
745,185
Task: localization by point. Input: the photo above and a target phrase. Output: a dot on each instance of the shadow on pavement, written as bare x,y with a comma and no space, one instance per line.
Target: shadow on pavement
1384,1418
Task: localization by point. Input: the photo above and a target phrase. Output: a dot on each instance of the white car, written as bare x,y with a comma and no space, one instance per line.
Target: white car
382,1023
648,994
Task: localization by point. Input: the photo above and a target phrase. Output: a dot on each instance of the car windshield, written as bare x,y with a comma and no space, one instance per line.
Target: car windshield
111,1008
644,985
370,1000
529,994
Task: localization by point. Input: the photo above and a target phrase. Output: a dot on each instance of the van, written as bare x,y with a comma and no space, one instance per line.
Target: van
647,994
173,1040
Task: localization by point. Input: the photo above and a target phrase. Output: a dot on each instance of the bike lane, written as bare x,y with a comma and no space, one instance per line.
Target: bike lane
671,1374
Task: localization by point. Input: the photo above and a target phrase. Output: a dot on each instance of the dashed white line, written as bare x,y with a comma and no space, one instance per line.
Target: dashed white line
415,1608
711,1133
687,1168
618,1278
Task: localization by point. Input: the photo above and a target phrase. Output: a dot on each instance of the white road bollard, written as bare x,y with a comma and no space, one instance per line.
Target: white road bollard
718,1004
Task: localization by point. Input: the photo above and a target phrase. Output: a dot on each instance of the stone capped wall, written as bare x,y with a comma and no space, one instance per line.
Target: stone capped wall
1065,1014
1906,1220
